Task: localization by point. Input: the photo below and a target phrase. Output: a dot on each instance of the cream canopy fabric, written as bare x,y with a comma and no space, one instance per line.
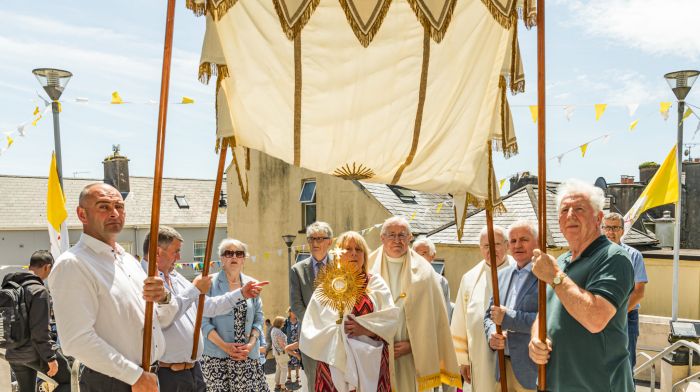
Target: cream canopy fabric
408,92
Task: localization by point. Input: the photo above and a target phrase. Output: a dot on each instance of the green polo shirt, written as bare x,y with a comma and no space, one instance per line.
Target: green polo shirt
581,360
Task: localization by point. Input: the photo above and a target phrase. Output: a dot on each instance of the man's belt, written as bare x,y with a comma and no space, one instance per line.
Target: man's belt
177,367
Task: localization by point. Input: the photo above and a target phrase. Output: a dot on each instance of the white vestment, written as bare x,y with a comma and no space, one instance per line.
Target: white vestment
467,327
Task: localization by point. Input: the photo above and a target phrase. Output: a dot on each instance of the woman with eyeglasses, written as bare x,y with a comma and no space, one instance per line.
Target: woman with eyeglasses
356,355
232,341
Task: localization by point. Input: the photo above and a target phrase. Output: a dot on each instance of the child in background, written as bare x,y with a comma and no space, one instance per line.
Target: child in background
292,326
279,342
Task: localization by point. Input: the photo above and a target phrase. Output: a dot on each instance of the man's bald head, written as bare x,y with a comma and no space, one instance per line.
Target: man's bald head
101,211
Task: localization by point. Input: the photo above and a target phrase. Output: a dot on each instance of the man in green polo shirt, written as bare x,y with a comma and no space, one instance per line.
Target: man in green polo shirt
586,348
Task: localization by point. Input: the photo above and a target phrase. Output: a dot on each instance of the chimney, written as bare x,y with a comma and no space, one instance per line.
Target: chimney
116,171
625,179
647,171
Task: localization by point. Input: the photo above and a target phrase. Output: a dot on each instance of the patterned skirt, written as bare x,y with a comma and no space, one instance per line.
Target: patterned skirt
227,375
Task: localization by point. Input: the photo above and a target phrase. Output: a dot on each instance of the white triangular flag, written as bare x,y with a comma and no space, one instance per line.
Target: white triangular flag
559,158
20,129
632,108
606,138
569,111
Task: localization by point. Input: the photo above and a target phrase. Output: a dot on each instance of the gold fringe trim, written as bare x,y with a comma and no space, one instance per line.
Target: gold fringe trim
419,109
506,21
508,149
207,70
436,34
365,39
434,380
216,11
245,190
294,30
529,18
230,140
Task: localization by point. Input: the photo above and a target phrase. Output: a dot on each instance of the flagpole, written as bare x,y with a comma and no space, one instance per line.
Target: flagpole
158,178
210,242
677,227
541,186
494,284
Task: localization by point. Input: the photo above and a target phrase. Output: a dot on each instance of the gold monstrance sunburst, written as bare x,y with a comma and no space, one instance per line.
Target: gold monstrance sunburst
340,286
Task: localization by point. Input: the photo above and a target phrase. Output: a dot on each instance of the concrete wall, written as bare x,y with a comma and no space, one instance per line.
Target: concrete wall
274,210
17,246
658,293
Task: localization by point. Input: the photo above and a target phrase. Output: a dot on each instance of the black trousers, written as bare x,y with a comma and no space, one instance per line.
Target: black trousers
92,381
190,380
26,374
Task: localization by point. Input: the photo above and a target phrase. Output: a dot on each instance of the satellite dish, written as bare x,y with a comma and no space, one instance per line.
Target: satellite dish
601,183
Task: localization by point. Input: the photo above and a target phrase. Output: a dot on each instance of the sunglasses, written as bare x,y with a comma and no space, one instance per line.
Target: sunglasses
233,253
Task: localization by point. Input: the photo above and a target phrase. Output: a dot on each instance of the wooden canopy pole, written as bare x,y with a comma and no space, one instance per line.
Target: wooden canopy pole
541,186
494,284
210,242
158,178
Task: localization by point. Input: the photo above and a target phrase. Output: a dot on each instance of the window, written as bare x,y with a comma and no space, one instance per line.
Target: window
439,266
307,197
181,201
301,256
405,195
198,251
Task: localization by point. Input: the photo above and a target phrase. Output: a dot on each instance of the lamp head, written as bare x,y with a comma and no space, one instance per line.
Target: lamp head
289,239
54,81
681,82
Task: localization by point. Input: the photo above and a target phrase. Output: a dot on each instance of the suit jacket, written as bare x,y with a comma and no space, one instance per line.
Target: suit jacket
301,286
518,322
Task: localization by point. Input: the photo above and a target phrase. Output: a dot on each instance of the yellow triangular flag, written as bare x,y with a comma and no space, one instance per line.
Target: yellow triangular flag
583,148
662,189
533,113
59,107
36,110
266,255
36,120
633,125
687,114
439,207
116,99
663,109
187,100
10,140
599,110
413,216
501,183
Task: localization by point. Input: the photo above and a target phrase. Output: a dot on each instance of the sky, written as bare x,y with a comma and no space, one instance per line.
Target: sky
598,51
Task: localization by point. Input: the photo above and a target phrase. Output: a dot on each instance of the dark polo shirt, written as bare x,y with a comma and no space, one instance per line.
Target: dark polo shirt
581,360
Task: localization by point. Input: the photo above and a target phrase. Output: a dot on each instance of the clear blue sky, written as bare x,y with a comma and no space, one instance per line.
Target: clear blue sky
598,51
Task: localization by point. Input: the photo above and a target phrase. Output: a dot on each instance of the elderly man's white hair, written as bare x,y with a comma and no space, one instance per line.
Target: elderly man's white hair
527,224
395,221
595,195
425,241
496,230
319,227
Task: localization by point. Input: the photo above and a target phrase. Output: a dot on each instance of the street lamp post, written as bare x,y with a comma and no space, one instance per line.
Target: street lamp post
680,82
54,82
289,240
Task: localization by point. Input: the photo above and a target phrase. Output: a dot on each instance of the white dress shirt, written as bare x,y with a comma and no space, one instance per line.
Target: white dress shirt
179,335
100,311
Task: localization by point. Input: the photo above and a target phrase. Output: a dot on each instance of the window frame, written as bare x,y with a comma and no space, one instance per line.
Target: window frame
195,259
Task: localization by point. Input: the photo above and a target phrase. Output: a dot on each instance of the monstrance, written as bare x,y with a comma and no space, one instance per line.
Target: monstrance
340,286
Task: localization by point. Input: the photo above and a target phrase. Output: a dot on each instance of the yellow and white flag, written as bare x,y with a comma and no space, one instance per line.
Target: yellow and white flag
56,213
662,189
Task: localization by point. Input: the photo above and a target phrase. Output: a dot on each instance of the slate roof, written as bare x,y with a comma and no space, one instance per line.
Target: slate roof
427,217
23,202
522,204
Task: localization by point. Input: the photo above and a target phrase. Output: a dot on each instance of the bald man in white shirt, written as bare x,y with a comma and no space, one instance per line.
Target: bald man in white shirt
99,297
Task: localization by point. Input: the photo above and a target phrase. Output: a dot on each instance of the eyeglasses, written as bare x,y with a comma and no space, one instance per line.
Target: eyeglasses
229,254
394,236
317,239
612,228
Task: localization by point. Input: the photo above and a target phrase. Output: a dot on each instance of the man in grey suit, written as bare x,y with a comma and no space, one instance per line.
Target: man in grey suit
301,282
517,286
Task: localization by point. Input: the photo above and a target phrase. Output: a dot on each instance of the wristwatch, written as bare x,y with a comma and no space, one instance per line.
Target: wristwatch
558,279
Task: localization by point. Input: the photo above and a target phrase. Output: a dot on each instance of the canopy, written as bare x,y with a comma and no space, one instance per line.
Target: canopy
404,92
